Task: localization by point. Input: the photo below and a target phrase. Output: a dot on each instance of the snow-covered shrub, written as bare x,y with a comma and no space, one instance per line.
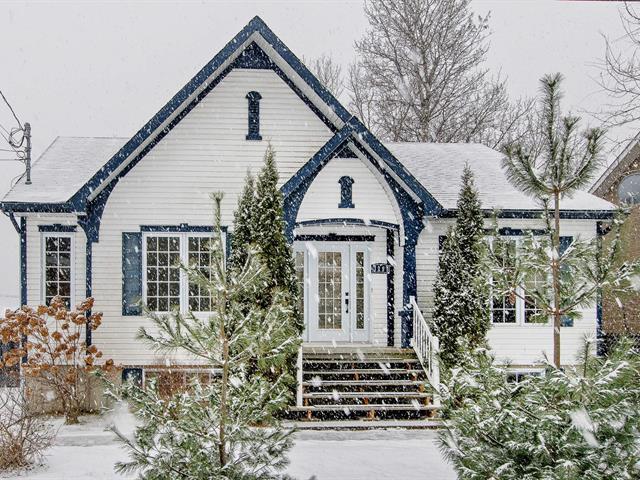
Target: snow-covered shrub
52,338
578,423
225,428
23,435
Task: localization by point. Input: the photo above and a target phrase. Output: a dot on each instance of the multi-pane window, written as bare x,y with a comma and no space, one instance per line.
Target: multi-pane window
330,290
359,299
299,263
163,273
503,307
166,286
200,258
532,311
520,305
58,267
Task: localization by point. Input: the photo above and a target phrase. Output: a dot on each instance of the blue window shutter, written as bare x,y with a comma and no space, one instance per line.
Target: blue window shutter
565,242
131,273
227,247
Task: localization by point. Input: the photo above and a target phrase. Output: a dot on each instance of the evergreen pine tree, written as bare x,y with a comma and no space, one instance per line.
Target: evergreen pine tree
460,318
577,423
243,224
208,431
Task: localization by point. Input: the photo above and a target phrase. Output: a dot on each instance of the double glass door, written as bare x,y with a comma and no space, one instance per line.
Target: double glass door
336,281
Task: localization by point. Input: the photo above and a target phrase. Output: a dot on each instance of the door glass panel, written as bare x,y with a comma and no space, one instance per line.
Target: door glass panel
299,262
330,290
359,290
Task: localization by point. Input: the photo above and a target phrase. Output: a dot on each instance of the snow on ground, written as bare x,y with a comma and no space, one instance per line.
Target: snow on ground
88,452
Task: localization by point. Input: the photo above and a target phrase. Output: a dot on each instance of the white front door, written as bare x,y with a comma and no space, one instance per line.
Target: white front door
336,291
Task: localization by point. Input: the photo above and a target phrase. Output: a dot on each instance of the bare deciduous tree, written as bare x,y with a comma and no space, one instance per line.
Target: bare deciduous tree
419,76
23,435
620,77
329,73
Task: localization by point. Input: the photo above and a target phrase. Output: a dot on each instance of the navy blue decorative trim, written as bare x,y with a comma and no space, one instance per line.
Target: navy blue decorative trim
12,217
413,215
431,206
183,227
346,152
518,232
294,190
57,227
201,78
29,207
346,192
390,288
253,116
601,348
23,261
88,285
334,237
538,214
349,221
319,159
565,242
131,273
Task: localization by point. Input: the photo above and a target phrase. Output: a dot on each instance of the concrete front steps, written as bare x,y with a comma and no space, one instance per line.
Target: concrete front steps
363,384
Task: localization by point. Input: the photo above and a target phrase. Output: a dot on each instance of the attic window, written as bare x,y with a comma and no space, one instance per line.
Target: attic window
254,116
346,192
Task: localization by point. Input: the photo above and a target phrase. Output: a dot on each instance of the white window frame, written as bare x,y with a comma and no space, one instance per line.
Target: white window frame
520,304
184,258
43,267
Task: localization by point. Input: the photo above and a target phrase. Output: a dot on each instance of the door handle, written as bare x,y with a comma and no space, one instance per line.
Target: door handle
346,304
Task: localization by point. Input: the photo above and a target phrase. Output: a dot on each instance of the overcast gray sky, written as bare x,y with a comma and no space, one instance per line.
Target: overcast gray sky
104,68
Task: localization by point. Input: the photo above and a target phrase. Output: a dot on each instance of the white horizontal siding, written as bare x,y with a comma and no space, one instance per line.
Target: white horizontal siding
518,344
371,201
206,152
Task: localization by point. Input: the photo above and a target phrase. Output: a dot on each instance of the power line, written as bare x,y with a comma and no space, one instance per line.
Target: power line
11,108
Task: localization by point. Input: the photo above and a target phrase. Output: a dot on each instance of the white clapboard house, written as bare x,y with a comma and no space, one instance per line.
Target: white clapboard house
109,218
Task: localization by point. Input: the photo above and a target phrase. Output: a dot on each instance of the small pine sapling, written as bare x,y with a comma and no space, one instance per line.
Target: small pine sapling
226,427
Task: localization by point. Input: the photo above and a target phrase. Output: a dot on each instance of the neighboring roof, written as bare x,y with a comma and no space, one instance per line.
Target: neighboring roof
617,167
439,166
64,167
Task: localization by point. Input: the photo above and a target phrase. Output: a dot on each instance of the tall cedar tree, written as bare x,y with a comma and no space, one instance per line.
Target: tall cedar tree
243,225
209,430
460,317
268,232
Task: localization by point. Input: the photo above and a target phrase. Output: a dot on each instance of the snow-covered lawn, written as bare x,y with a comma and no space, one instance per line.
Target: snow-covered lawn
87,452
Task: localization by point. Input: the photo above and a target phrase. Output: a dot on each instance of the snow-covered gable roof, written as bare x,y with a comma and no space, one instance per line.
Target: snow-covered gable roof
64,167
438,167
73,171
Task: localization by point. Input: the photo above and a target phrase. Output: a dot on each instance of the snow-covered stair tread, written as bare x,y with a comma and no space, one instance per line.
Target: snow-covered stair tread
374,384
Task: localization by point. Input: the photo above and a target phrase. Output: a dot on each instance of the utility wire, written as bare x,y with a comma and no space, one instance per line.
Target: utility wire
11,108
